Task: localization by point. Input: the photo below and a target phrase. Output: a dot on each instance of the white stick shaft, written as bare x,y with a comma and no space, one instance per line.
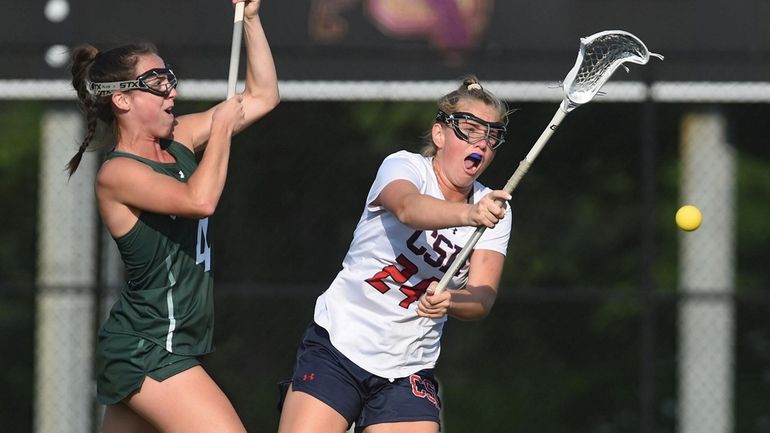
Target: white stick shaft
509,187
546,135
235,51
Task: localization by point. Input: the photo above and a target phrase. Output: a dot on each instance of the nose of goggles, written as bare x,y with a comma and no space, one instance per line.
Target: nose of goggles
158,81
472,129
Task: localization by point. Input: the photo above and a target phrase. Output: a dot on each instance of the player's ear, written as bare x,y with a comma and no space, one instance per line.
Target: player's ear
437,133
120,101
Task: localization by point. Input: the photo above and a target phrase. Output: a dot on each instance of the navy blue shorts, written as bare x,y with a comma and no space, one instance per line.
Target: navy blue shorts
361,397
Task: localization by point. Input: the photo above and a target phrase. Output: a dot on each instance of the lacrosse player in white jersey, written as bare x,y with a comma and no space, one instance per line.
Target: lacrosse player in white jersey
368,357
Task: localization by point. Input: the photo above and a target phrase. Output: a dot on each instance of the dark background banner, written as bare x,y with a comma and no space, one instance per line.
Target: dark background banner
511,40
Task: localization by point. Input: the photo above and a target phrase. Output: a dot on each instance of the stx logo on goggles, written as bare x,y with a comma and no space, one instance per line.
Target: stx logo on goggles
158,81
103,89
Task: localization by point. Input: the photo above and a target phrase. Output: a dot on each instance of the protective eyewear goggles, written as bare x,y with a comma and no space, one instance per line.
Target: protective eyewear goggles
158,81
472,129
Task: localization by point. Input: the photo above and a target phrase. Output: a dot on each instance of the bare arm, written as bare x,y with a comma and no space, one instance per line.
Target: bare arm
126,187
423,212
475,300
260,94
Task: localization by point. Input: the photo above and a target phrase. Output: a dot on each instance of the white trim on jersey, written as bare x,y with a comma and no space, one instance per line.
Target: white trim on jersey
170,306
369,309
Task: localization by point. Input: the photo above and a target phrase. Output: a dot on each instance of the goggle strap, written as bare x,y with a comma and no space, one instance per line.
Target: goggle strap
104,89
108,88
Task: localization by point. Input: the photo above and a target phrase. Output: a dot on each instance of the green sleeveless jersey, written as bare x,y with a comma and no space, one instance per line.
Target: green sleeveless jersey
168,296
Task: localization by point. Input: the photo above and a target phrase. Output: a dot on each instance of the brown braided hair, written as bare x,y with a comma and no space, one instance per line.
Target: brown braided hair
470,89
90,64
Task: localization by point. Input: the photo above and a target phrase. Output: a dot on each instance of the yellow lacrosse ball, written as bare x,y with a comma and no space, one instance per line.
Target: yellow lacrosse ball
688,218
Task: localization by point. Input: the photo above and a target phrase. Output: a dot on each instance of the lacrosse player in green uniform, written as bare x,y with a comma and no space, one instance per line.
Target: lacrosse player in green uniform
155,200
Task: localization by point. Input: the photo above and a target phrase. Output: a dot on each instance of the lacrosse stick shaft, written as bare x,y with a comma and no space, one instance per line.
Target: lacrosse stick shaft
512,183
235,51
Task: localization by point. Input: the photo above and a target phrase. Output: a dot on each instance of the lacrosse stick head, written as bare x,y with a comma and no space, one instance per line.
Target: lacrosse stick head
599,56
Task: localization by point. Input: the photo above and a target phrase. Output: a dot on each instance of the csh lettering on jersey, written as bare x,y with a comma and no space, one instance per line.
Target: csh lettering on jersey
436,253
439,252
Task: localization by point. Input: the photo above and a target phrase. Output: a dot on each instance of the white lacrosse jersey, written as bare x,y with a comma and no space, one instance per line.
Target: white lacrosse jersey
370,309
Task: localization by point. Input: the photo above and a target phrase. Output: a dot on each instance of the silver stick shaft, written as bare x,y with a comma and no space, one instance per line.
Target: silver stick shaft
235,51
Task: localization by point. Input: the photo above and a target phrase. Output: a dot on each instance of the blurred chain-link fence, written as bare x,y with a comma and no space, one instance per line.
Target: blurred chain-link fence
609,319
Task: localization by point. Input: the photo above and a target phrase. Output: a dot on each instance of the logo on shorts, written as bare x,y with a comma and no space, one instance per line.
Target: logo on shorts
424,388
308,377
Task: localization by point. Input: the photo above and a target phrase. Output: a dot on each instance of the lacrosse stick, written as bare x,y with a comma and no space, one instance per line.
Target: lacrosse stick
235,51
599,56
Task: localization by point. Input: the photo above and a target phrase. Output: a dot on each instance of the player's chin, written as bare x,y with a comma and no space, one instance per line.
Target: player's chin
466,180
166,131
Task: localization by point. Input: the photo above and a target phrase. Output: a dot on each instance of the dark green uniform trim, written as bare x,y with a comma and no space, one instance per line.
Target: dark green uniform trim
125,360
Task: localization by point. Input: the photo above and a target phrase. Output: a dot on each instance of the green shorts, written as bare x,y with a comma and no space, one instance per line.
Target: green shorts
123,361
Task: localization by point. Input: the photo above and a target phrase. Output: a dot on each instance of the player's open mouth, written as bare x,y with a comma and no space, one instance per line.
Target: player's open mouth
472,162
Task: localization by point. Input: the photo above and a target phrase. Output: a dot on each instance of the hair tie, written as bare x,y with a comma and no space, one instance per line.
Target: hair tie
474,86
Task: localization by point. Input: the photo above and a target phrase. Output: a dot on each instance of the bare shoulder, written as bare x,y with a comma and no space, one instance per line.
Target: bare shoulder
117,167
114,172
113,185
